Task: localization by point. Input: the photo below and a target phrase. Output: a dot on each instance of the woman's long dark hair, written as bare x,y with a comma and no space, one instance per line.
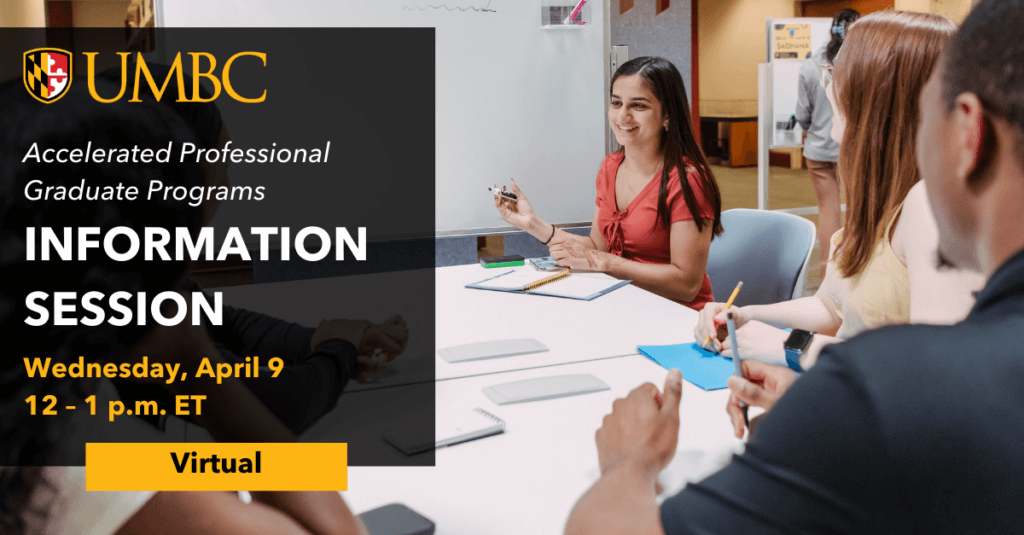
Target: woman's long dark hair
840,25
27,441
678,143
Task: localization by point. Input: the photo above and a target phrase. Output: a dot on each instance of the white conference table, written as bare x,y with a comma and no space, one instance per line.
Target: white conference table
527,479
574,331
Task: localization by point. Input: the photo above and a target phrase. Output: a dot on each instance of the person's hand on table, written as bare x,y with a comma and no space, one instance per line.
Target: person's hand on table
518,213
758,341
643,429
369,369
387,340
379,345
576,255
761,386
712,322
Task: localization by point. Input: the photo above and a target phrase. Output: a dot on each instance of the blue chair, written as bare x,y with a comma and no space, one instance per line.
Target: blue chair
768,251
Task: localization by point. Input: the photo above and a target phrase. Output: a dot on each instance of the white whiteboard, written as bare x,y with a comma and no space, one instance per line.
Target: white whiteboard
512,99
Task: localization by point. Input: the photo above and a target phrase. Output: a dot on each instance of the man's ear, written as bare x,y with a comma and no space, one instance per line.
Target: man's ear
972,132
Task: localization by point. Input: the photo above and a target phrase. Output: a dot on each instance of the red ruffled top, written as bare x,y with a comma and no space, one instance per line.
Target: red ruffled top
634,233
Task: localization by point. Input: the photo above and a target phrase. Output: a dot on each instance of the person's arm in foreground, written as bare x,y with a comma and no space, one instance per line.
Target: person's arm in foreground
520,214
245,332
319,362
680,280
233,414
818,463
222,513
762,385
637,441
763,338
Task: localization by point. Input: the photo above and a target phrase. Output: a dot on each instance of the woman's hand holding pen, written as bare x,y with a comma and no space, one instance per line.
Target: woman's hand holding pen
711,323
761,386
758,341
520,214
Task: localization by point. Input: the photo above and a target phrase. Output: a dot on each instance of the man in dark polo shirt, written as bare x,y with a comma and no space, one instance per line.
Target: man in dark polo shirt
905,429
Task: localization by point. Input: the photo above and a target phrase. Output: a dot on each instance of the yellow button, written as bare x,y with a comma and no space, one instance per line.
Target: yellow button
216,466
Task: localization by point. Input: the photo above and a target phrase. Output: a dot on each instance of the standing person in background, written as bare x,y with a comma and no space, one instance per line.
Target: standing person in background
814,114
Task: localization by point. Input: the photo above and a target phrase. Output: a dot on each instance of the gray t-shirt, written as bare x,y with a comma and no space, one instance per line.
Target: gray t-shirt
814,113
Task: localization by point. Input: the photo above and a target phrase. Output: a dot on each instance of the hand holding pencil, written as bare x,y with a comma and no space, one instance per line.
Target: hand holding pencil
712,319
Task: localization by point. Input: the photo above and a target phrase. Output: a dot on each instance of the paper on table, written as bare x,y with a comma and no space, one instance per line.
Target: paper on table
703,368
585,286
450,428
578,287
514,280
478,423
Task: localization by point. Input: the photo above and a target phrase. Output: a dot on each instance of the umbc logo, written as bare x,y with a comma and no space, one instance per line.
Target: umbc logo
48,76
47,73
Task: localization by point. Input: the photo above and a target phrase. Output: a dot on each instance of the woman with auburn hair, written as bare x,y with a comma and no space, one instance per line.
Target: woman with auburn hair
881,267
814,114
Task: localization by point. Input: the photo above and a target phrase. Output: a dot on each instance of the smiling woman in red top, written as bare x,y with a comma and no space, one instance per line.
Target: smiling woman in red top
650,225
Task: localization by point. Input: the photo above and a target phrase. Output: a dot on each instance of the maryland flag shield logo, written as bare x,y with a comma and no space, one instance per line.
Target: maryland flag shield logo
47,73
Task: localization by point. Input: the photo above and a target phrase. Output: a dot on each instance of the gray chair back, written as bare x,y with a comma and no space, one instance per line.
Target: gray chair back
768,251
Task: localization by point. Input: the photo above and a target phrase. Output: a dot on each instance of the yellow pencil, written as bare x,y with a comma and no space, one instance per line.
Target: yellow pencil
727,305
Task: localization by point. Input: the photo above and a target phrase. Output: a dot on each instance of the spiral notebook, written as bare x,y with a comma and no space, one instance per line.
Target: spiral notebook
451,429
564,283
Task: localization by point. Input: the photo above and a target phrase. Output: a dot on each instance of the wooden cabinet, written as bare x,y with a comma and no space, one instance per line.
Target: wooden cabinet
743,143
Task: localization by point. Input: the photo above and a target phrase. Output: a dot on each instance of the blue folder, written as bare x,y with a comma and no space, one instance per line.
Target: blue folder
709,371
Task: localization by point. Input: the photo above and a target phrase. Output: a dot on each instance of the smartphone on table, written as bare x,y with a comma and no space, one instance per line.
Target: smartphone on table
396,519
545,263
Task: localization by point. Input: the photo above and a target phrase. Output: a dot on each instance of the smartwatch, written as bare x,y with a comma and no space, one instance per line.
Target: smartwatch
795,346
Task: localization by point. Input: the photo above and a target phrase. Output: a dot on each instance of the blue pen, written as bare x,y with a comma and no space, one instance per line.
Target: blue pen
738,367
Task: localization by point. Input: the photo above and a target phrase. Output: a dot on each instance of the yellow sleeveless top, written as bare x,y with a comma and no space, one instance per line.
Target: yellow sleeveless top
877,296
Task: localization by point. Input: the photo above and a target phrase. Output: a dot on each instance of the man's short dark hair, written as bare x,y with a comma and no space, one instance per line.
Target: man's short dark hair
986,57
